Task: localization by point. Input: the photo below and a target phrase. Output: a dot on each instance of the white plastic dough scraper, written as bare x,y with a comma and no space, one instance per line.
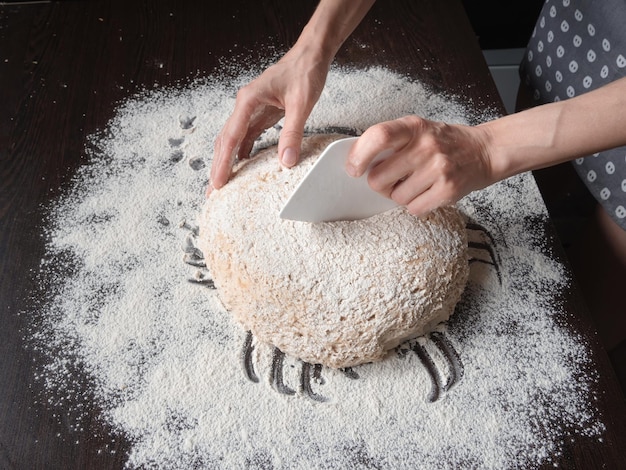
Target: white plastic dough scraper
327,193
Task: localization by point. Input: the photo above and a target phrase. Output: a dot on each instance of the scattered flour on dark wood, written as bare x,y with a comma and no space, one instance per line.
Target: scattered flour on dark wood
123,326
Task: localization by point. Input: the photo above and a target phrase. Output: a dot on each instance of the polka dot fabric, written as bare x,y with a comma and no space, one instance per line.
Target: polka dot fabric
577,46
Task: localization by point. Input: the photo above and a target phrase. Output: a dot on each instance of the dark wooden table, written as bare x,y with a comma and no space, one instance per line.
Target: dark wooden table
63,68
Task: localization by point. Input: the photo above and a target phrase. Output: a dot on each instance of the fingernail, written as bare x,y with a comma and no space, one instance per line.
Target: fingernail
351,170
289,157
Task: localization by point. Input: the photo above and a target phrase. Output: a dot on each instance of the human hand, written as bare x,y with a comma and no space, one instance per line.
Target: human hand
433,164
289,88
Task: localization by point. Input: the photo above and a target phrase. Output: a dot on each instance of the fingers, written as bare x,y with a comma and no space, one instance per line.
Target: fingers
408,184
228,142
391,139
421,196
223,158
251,116
391,135
249,119
288,88
430,164
409,188
291,136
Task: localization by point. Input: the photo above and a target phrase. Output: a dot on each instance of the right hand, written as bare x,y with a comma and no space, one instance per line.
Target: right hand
289,88
433,164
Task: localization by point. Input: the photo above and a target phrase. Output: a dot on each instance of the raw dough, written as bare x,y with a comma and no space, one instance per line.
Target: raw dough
337,293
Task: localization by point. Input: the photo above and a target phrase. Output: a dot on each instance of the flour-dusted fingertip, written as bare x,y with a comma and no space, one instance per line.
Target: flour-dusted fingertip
289,157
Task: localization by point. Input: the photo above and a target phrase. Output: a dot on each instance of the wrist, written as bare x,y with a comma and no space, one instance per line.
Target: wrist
331,24
318,51
522,142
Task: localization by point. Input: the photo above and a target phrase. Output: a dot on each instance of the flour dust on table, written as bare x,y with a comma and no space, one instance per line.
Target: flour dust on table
130,313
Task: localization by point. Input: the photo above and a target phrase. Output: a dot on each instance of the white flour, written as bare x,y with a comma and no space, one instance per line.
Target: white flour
163,361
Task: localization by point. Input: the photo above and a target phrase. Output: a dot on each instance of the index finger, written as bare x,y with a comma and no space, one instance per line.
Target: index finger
391,135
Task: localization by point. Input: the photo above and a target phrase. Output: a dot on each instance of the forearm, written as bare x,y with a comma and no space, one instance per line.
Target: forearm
557,132
331,24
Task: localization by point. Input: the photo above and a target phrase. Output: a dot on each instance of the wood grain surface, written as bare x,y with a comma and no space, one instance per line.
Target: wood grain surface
66,65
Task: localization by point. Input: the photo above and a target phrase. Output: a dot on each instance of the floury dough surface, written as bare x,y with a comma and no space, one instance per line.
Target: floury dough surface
339,293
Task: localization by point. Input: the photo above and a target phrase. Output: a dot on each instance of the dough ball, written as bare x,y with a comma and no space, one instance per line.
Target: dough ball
338,293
